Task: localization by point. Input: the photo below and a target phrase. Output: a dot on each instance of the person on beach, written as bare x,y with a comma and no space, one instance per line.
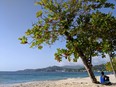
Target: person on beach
104,79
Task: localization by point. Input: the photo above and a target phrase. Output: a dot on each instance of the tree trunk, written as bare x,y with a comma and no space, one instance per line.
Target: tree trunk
89,71
84,59
88,66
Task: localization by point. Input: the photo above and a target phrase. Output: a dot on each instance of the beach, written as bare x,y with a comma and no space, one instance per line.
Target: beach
70,82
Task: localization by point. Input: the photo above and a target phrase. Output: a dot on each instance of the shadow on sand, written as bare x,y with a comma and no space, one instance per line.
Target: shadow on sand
114,84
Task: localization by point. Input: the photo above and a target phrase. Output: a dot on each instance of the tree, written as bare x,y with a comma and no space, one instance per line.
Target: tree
111,66
108,67
109,42
79,22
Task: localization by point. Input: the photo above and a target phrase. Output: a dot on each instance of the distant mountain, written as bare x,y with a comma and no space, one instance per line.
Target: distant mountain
66,69
57,69
73,67
52,69
100,67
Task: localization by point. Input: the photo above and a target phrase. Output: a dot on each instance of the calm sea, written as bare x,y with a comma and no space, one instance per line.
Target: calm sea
19,77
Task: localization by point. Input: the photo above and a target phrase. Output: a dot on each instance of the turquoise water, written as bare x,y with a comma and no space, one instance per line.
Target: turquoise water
19,77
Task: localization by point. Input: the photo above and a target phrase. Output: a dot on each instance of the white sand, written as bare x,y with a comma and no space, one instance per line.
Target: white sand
71,82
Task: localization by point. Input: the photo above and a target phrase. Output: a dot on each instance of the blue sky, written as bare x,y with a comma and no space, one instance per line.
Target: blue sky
16,16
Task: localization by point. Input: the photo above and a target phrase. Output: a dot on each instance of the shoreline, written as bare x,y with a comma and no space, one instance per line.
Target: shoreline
70,82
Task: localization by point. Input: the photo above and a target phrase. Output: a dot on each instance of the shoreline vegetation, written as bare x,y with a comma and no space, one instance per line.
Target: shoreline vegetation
70,82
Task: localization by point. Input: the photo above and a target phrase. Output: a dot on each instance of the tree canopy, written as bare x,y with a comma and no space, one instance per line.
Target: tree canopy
88,31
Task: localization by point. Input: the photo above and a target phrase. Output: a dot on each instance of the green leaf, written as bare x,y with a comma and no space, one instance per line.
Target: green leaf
28,32
38,3
19,38
23,40
32,45
74,60
40,47
39,13
69,59
45,1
